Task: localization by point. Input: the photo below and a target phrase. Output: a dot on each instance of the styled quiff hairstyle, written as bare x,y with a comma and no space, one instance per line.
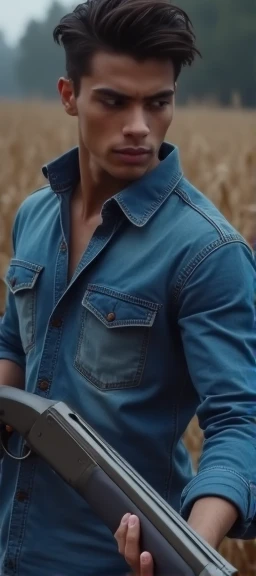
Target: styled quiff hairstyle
141,29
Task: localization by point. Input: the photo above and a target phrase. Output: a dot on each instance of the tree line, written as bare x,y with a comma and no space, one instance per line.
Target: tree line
226,73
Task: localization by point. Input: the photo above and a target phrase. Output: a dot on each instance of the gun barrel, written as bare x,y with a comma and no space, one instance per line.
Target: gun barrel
109,484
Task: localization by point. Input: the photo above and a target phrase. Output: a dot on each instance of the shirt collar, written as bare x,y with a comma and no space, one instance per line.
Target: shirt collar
63,172
141,199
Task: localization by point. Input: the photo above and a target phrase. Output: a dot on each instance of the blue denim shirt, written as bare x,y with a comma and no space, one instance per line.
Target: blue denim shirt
155,326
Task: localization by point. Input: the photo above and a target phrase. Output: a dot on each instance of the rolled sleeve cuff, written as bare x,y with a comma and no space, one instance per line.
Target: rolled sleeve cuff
229,485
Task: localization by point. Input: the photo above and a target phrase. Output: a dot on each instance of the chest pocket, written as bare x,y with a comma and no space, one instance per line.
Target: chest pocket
21,279
114,338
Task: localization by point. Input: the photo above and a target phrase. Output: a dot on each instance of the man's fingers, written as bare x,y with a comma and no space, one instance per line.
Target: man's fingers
146,565
132,547
128,540
121,534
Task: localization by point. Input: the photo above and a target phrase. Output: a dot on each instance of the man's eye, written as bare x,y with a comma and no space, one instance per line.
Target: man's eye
158,104
113,102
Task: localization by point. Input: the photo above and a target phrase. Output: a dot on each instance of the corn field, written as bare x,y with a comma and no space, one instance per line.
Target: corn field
218,154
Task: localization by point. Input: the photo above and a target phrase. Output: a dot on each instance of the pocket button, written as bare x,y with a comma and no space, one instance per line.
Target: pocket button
111,317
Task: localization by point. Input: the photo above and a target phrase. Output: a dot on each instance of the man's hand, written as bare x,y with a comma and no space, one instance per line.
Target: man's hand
128,539
222,515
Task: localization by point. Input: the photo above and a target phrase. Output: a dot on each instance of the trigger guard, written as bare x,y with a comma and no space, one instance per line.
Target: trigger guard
4,437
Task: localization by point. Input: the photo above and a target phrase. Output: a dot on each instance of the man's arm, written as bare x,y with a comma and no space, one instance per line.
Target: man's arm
211,518
12,356
11,374
222,515
216,319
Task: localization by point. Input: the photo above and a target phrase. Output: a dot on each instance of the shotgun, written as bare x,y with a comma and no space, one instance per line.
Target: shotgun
53,431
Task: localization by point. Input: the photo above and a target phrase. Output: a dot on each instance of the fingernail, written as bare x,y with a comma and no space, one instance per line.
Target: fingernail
145,558
125,519
132,521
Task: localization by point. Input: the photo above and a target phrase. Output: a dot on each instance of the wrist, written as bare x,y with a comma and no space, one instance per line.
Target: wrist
212,518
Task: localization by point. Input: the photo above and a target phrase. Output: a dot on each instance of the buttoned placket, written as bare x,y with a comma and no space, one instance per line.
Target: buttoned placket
49,358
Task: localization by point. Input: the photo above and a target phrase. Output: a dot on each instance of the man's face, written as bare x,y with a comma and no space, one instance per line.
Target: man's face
124,110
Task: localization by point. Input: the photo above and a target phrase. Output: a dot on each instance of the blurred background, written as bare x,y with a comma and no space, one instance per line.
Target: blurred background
226,32
214,127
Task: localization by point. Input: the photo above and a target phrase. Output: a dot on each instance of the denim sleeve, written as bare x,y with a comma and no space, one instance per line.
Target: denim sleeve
10,342
217,322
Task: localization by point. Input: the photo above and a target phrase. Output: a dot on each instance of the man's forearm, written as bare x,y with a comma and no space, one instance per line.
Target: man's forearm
212,518
11,374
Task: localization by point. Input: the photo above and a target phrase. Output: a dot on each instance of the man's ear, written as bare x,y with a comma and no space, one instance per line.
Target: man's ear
67,95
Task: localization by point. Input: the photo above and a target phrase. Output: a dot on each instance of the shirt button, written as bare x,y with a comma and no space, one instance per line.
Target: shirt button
44,385
56,323
21,496
111,317
63,247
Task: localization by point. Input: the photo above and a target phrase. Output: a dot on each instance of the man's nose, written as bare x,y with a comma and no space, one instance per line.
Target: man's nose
136,124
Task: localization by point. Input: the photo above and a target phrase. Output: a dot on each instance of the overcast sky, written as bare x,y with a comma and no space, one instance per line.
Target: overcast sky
15,14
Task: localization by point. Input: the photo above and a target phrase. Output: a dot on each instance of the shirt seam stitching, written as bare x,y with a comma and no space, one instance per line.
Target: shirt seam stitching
171,187
185,197
188,271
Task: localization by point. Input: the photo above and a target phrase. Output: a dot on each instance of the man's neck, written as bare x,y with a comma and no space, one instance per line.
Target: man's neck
95,187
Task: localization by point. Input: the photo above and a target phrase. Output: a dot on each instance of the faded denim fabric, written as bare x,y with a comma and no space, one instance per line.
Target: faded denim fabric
155,326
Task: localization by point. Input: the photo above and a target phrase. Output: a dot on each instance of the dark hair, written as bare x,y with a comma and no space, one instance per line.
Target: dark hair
141,29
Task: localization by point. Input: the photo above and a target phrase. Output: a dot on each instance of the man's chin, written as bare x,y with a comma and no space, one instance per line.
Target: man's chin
129,174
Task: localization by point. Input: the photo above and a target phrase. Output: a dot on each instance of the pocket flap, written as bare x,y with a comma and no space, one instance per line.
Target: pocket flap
115,309
22,275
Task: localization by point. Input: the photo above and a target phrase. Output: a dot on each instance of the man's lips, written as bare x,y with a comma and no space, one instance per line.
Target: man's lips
133,156
129,151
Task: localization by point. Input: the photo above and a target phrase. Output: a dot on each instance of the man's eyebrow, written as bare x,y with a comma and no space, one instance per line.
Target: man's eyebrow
110,93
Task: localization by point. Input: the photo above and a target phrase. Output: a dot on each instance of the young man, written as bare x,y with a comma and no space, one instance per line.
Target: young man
130,298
